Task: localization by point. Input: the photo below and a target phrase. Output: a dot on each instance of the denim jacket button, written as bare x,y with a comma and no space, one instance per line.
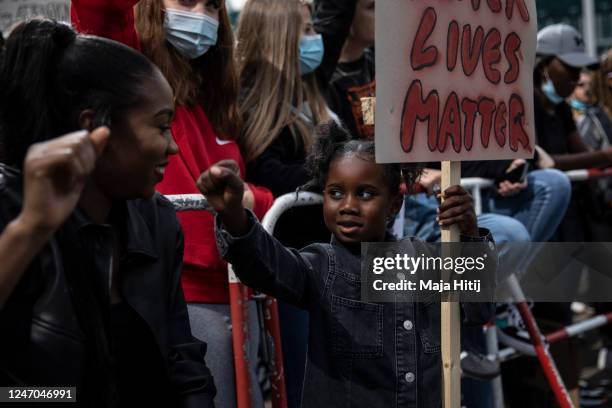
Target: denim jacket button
408,325
409,377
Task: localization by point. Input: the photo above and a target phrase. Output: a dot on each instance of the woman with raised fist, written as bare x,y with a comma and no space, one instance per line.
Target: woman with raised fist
91,255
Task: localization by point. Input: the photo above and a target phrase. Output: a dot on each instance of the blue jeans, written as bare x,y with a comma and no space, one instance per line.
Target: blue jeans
421,222
540,207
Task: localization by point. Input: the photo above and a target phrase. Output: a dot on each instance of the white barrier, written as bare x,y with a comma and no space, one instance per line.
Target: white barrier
475,185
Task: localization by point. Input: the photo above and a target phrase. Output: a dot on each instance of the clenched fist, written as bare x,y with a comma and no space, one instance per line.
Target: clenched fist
224,190
55,173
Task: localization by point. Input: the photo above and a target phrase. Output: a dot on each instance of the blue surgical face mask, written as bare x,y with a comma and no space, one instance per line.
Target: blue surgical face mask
311,53
190,33
548,87
579,105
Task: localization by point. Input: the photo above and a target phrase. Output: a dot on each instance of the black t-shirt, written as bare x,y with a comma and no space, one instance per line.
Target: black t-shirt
351,82
553,127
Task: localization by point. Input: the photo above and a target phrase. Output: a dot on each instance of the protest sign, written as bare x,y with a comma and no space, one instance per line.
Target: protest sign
455,80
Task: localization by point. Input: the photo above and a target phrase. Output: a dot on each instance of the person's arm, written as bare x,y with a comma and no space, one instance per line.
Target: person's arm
263,263
259,260
483,245
19,243
429,179
113,19
54,175
458,208
189,374
580,157
332,19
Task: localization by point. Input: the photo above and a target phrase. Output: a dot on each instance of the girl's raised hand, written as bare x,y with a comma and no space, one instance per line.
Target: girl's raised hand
222,186
224,190
458,208
55,173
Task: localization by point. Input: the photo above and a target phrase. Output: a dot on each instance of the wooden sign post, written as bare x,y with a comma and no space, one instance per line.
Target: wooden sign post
450,315
454,83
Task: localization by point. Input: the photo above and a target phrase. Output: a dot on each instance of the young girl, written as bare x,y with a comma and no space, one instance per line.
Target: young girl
359,354
284,66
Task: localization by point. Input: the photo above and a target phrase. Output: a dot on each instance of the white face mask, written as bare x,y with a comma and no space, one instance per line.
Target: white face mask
190,33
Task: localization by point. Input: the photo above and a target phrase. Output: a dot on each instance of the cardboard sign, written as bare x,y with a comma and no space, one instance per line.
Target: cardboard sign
12,11
455,80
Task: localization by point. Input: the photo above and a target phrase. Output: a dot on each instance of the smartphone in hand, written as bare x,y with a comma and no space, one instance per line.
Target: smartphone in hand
518,175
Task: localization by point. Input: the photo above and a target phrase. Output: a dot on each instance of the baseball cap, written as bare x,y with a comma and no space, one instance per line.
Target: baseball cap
566,43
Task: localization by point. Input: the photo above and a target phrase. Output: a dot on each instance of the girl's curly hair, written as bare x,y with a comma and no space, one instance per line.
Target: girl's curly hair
333,142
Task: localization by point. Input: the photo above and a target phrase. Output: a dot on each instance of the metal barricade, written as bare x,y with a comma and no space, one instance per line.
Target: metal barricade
539,343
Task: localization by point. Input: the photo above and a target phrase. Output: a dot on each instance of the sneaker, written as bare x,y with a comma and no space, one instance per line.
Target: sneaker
479,366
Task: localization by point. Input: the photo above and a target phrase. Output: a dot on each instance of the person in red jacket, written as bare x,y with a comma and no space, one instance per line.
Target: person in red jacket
192,44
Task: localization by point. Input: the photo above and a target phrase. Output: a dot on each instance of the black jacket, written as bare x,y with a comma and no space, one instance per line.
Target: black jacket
281,167
360,354
42,341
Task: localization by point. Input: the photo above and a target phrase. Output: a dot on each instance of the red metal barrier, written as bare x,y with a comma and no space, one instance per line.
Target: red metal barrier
277,372
546,360
239,298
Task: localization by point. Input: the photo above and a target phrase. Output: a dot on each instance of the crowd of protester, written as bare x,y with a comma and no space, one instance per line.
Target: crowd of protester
105,288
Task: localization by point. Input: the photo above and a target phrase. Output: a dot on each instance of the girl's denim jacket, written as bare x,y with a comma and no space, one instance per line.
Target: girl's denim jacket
359,354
